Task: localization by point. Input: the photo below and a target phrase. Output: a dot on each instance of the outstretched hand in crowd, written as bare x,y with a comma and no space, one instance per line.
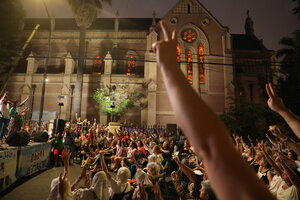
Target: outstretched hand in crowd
276,104
205,131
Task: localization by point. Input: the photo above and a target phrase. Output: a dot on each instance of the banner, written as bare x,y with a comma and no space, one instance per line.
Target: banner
47,115
8,166
32,158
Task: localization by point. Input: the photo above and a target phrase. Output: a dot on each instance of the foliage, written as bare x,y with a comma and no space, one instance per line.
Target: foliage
86,11
289,83
11,15
244,117
296,10
124,99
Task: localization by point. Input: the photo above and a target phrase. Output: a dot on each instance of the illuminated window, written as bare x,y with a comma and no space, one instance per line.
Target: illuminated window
190,67
178,53
131,66
98,65
201,64
189,35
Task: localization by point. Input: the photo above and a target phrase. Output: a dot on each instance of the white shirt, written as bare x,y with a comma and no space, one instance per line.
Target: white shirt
116,187
4,110
276,181
287,194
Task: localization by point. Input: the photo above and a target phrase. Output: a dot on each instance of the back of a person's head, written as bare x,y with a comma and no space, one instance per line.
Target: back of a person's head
152,158
153,168
54,190
208,191
123,174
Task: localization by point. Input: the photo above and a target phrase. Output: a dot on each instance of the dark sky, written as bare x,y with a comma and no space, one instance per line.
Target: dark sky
273,19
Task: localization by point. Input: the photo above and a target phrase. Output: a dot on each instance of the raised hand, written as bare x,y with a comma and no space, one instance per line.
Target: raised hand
61,186
174,175
275,103
166,49
66,156
276,132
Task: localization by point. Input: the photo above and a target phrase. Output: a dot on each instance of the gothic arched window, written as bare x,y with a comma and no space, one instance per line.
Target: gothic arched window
178,53
98,65
201,64
131,66
190,67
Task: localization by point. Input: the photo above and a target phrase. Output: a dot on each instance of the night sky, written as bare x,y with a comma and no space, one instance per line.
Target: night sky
273,19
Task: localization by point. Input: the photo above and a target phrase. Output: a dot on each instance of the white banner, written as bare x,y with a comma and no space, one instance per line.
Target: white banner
47,115
8,166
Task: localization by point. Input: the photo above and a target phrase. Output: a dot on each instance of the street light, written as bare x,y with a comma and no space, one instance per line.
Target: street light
45,79
112,100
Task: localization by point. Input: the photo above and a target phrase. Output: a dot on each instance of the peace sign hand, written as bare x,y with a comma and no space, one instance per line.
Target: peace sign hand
166,49
275,103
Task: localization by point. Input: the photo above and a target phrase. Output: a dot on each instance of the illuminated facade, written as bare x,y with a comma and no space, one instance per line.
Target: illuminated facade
119,51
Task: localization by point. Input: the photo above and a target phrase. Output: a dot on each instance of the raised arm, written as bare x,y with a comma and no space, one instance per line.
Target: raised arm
103,164
134,160
66,157
276,104
292,176
186,170
271,162
24,101
4,95
289,142
206,131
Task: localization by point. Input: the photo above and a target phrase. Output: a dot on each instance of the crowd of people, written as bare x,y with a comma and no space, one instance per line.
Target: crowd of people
203,160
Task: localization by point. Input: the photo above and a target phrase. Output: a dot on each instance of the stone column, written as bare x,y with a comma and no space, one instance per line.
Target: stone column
106,79
152,87
32,66
66,89
150,76
195,73
183,64
228,69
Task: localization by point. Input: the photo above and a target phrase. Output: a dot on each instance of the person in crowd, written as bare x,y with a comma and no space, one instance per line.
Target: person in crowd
58,147
126,161
4,114
206,192
119,186
15,116
69,138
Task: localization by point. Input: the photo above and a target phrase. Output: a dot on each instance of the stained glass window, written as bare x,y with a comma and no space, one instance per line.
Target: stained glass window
178,53
201,64
131,66
190,67
189,35
97,67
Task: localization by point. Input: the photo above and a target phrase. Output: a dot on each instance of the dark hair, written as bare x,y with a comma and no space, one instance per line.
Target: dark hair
294,155
14,104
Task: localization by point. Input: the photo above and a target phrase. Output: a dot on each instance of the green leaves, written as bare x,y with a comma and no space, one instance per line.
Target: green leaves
124,99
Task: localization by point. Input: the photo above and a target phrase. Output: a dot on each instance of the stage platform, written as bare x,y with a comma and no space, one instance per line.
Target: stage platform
16,162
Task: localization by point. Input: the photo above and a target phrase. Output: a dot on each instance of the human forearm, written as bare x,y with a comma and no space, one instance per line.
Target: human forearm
186,170
272,163
292,120
293,145
73,187
205,131
292,176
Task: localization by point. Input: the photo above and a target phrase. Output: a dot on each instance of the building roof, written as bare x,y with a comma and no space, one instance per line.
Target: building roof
246,42
134,24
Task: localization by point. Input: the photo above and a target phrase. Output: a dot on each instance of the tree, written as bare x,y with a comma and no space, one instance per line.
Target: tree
244,117
289,83
85,12
116,101
12,16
